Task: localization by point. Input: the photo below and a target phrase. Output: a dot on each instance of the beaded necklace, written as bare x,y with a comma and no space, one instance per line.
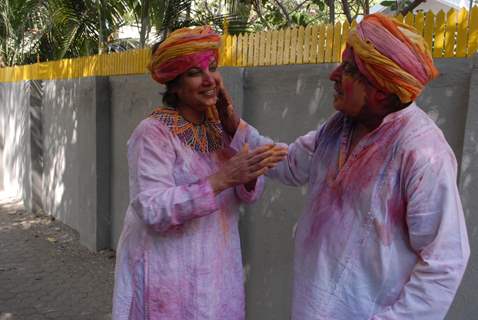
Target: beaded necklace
205,137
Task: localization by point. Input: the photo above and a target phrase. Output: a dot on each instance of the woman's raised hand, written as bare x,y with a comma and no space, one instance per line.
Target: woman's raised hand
225,110
246,166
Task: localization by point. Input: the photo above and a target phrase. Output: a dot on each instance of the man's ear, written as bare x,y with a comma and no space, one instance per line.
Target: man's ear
381,98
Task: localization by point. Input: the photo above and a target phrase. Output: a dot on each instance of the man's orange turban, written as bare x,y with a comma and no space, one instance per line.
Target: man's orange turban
183,49
392,56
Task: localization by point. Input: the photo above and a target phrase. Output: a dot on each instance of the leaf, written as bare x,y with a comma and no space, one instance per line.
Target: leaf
388,3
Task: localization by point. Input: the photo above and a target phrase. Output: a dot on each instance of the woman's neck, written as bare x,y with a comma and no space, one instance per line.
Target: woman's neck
192,115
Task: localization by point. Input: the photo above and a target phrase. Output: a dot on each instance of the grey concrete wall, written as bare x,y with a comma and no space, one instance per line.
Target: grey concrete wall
465,306
75,123
132,99
445,100
84,125
15,140
283,103
287,101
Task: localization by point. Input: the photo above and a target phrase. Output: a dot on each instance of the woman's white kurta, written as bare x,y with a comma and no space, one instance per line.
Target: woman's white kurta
178,256
383,237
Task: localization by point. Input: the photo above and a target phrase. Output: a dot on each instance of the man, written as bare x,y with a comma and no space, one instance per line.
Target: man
383,234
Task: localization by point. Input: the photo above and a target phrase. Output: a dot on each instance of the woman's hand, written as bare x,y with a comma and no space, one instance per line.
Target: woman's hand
226,113
246,166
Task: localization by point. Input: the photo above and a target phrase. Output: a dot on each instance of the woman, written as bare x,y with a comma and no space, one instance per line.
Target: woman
179,252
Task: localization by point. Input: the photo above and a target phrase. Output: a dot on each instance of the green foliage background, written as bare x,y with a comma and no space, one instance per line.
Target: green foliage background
40,30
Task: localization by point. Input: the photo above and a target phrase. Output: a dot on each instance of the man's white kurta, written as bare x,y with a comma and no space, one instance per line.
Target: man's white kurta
384,237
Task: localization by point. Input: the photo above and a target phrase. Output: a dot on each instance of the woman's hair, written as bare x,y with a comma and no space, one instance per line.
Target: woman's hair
171,99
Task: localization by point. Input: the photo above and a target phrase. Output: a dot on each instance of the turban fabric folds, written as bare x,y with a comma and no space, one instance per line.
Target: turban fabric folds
392,56
183,49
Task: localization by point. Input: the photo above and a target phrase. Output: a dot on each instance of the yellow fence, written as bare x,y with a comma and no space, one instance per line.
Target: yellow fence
454,34
451,34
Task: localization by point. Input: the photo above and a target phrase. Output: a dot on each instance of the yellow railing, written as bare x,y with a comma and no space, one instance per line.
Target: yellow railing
454,34
127,62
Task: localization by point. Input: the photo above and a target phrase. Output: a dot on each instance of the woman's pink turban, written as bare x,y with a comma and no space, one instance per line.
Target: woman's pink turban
183,49
392,55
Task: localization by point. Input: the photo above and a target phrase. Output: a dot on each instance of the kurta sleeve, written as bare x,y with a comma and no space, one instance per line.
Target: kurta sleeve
154,196
295,169
250,196
437,234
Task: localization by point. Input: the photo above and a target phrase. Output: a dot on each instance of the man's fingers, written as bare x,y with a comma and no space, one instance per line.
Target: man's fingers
280,149
258,173
266,162
263,148
260,150
270,148
253,159
270,162
271,153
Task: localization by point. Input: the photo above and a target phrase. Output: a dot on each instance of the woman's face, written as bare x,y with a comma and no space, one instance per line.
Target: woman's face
198,87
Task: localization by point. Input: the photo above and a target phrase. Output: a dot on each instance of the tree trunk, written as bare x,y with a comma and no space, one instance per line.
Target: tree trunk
145,23
284,12
258,8
101,39
346,8
188,12
331,4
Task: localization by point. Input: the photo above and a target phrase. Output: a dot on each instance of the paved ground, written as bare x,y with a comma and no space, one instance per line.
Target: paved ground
46,274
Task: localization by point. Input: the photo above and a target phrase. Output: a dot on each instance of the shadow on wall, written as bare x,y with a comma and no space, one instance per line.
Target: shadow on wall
60,128
15,142
36,144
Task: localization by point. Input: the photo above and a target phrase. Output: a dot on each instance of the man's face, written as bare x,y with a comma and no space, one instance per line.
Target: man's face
350,88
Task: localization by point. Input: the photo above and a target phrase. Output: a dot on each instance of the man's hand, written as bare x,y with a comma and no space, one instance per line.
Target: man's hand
245,167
